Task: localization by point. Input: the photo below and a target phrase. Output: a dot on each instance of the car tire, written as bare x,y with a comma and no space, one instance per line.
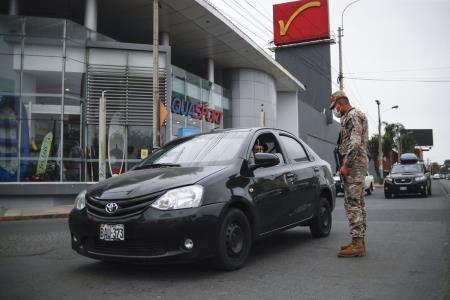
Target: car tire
387,195
320,226
370,189
425,193
429,190
235,241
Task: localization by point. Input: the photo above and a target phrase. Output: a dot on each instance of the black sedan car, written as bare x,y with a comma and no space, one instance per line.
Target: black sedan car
407,179
206,196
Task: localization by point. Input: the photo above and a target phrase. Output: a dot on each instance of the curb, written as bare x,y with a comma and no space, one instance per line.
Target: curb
35,217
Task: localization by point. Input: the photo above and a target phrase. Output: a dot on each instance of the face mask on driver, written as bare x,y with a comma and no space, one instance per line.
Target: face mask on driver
336,113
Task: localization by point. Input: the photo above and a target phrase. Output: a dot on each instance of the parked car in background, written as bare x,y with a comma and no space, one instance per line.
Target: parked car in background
368,184
436,176
206,196
408,177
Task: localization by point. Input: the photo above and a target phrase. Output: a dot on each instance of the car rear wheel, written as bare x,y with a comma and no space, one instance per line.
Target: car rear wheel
235,241
320,226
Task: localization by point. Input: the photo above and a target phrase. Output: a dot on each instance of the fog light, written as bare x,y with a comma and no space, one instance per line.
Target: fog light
188,244
75,239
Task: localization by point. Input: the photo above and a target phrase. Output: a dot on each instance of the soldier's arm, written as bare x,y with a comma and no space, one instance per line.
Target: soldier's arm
355,127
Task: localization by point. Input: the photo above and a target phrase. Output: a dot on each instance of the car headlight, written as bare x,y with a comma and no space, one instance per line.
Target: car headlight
420,178
179,198
389,179
80,200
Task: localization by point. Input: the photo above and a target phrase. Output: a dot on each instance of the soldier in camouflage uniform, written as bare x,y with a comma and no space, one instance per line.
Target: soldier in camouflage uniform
354,165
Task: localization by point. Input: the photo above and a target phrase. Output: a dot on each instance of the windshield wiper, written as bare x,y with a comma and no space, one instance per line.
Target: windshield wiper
155,166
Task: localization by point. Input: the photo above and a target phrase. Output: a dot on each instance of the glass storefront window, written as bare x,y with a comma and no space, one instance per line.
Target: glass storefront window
73,152
74,78
11,25
9,137
140,140
39,46
10,44
42,75
10,74
44,153
44,27
91,153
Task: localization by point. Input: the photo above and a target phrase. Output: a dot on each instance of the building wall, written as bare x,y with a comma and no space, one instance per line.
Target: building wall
249,90
287,112
311,64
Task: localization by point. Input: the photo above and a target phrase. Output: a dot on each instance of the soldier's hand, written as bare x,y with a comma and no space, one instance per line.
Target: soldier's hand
345,170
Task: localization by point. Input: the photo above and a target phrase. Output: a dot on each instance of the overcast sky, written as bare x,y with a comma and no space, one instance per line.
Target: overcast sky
384,40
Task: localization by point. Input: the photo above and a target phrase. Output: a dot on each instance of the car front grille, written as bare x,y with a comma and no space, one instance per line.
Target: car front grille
126,248
126,207
403,180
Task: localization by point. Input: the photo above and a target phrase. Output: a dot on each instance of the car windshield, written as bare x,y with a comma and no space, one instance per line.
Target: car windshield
203,150
406,169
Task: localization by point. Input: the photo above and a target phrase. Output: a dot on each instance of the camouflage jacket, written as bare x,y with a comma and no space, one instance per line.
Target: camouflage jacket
354,139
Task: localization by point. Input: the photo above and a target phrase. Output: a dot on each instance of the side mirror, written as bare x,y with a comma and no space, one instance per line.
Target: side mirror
265,160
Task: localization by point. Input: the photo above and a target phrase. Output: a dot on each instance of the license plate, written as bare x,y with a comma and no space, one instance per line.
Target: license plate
112,232
403,188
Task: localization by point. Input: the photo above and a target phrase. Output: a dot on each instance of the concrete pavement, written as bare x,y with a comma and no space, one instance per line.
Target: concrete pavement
15,214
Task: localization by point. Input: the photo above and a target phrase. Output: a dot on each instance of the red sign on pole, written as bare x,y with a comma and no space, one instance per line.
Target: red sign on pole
299,21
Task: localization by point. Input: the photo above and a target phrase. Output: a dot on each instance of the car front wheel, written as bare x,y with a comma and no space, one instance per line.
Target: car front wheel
320,226
235,241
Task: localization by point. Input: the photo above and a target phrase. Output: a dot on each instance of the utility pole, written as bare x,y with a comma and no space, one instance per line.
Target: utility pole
155,93
341,75
340,35
102,138
380,148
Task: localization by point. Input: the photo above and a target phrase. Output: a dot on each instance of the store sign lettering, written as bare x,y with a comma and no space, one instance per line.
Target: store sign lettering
196,111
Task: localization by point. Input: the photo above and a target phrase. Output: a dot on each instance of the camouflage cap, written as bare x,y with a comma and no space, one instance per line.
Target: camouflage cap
335,97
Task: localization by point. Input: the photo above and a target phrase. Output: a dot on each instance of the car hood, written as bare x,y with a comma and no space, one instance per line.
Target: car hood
148,181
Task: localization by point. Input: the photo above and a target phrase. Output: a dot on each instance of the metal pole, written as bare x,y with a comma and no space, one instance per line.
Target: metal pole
380,148
341,75
156,130
102,139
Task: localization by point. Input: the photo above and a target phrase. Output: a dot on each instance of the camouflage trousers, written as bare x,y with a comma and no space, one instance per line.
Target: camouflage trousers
354,204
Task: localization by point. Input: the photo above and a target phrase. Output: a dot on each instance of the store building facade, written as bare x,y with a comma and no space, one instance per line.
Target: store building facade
53,71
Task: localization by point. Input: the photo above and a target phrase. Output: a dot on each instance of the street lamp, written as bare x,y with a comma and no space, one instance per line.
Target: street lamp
380,150
340,35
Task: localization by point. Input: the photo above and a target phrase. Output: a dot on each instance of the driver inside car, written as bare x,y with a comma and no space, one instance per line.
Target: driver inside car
259,147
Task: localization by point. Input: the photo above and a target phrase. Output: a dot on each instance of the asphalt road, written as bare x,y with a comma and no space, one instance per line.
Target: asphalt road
408,257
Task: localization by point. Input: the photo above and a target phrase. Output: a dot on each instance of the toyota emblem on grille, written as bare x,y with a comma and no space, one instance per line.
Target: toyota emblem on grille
111,207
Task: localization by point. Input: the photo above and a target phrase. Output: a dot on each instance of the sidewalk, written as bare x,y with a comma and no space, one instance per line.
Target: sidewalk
15,214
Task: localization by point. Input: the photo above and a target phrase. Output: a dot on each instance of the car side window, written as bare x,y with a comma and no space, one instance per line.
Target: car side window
267,143
294,149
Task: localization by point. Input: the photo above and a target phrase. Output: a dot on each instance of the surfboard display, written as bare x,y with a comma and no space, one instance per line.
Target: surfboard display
116,146
46,146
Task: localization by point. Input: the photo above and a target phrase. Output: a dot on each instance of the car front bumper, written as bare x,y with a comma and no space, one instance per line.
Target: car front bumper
153,236
413,188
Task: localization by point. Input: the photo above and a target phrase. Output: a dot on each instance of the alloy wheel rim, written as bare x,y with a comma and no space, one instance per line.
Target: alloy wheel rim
234,240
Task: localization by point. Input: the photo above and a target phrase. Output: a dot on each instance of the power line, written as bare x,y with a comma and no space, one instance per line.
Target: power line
252,16
401,70
262,14
233,20
400,80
